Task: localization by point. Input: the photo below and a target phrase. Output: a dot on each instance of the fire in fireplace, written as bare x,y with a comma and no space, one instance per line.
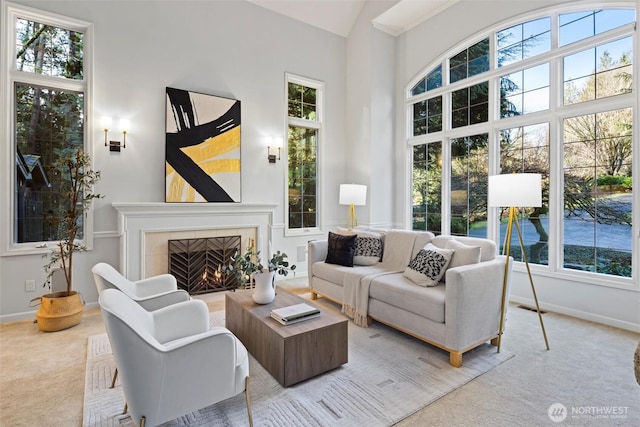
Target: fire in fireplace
197,263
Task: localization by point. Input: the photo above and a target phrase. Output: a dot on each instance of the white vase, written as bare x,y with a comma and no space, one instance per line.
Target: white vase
265,290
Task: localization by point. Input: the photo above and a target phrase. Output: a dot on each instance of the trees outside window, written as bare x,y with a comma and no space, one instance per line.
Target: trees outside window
427,187
598,192
525,149
48,83
568,116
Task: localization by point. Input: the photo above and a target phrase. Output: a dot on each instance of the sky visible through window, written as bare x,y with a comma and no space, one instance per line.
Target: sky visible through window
578,67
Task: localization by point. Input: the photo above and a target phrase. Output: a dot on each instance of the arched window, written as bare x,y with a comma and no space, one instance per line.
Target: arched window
550,93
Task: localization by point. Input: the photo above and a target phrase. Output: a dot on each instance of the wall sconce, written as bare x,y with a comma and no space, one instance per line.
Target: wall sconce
107,123
277,143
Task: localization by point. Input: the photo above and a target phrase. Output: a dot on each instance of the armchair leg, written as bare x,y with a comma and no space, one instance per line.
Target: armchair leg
246,393
126,407
143,420
115,376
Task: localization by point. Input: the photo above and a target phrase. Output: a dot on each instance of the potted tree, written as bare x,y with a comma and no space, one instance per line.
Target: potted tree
248,268
62,310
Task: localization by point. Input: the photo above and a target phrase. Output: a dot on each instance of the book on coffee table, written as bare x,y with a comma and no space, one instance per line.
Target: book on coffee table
294,313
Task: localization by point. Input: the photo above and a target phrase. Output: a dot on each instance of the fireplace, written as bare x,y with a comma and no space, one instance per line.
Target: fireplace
197,263
145,229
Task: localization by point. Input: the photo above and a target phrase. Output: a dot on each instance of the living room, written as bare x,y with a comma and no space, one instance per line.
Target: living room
242,51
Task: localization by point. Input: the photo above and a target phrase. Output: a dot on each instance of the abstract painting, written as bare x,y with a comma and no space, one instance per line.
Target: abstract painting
202,148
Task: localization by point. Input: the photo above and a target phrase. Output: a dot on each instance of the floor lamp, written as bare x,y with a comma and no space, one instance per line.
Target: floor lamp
514,191
353,195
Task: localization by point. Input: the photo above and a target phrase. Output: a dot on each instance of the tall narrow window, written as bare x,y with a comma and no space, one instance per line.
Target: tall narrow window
598,192
304,117
525,149
49,81
427,187
469,172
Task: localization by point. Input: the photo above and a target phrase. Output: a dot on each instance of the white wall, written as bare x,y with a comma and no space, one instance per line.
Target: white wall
616,305
228,48
370,108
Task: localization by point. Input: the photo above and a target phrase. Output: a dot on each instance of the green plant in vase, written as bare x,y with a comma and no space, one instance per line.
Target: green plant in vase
248,269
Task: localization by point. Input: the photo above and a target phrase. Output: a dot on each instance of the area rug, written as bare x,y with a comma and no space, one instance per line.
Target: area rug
389,376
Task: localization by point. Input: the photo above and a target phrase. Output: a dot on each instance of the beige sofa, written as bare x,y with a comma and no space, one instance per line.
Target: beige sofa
461,312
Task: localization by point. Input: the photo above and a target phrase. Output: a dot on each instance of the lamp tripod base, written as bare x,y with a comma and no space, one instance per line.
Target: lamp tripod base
506,250
351,221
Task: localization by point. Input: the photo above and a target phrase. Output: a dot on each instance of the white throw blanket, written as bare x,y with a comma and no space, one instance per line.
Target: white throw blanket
398,247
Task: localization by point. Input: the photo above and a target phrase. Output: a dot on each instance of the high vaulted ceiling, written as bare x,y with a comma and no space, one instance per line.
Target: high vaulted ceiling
338,16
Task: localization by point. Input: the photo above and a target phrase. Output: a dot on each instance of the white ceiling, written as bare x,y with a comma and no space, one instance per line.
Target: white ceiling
338,16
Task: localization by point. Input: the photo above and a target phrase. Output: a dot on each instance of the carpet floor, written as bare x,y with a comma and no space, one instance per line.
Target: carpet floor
389,376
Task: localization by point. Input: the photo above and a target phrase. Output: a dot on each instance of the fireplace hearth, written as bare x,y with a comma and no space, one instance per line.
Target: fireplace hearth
197,263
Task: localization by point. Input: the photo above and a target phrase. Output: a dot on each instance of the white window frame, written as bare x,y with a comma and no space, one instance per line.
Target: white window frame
555,116
9,75
318,125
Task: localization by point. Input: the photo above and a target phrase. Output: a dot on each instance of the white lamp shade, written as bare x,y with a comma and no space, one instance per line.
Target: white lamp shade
106,122
125,125
515,190
353,194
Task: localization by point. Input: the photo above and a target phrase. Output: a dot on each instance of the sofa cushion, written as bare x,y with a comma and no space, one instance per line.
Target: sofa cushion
422,238
341,249
330,272
428,267
489,248
400,292
441,241
464,254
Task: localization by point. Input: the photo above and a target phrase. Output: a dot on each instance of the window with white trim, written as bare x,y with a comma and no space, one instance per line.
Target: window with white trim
46,81
304,128
553,94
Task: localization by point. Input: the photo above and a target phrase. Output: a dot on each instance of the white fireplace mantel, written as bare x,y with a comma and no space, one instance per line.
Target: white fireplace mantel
137,219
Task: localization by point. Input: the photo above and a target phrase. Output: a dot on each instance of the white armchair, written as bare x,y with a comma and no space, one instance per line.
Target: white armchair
171,361
152,293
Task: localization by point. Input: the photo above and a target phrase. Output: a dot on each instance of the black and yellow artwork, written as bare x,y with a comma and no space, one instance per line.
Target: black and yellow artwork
202,148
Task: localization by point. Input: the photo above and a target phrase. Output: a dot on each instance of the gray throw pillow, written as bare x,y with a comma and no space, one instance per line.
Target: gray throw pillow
464,254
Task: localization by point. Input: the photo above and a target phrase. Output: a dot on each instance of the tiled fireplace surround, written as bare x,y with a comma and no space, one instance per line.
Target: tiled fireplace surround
146,228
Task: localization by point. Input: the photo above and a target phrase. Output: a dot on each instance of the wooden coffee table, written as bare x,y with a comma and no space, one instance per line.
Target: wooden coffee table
290,353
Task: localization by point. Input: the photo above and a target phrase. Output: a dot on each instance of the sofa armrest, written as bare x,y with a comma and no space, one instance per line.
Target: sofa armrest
317,251
473,301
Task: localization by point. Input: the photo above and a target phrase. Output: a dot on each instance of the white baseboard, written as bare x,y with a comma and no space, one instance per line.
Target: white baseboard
596,318
26,315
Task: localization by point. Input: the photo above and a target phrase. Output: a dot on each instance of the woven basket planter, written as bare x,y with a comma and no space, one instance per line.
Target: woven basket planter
59,311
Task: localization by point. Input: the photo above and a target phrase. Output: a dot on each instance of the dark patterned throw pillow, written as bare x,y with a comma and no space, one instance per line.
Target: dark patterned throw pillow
429,265
368,248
